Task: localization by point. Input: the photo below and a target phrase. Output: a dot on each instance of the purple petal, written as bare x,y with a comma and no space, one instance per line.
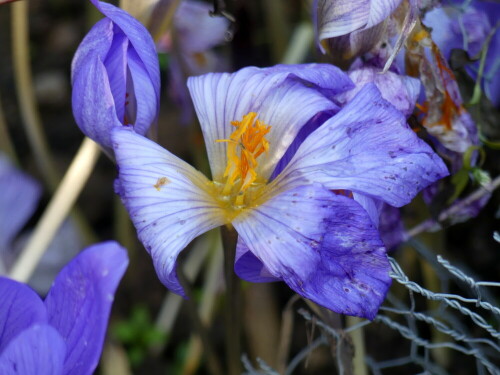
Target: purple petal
21,308
38,350
144,94
168,201
391,227
196,30
248,267
323,245
367,148
80,301
93,102
20,195
341,17
98,41
280,95
139,37
116,68
401,91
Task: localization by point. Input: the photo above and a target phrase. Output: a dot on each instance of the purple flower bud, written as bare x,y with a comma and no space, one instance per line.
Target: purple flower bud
115,76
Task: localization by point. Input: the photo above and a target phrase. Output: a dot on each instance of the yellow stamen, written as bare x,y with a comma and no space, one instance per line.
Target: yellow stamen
244,146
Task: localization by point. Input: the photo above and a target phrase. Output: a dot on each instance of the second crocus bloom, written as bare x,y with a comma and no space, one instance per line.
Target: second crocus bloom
302,226
115,76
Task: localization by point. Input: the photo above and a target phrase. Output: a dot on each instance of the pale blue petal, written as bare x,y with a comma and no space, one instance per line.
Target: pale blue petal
38,350
167,199
248,267
79,303
323,245
284,98
367,148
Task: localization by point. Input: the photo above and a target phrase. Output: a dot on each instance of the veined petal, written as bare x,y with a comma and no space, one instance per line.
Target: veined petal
168,201
98,41
399,90
144,94
116,68
38,350
336,18
20,195
139,38
367,148
79,303
93,102
21,308
323,245
283,97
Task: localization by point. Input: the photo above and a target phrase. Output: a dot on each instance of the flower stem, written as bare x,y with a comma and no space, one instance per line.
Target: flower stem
233,303
214,367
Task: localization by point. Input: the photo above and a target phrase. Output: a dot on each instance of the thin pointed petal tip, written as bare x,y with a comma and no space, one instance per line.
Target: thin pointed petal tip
115,75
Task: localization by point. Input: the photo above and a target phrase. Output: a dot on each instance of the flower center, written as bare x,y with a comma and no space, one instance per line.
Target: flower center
244,146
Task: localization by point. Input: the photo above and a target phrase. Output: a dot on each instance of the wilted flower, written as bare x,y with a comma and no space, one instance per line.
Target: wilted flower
350,28
467,26
444,114
293,228
115,76
63,334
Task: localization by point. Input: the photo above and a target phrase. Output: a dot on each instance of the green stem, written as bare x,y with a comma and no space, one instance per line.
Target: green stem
5,141
214,366
233,303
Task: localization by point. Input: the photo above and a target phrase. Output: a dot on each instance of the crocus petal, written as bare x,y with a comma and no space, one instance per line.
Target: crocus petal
248,267
116,68
144,93
79,303
98,41
139,38
323,245
195,29
168,201
281,97
21,308
38,350
93,102
20,195
341,17
367,148
401,91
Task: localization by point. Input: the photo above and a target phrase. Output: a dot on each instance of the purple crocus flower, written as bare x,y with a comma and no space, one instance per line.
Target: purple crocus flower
467,27
115,76
63,334
293,228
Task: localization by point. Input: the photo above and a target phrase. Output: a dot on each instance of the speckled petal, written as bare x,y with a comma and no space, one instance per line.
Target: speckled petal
168,201
367,148
323,245
79,303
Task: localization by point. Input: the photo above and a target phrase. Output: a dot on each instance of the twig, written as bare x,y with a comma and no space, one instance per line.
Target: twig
26,96
57,210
